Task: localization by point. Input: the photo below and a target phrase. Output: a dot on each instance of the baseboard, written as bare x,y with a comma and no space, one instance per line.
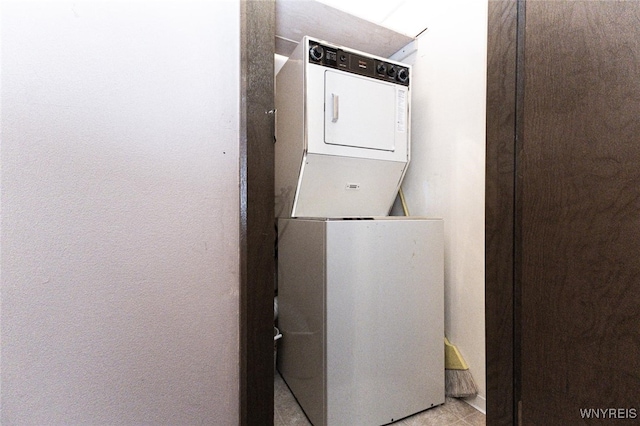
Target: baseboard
478,402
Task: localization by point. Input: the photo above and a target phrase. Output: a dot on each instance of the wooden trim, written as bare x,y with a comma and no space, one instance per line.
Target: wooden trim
517,220
257,237
500,209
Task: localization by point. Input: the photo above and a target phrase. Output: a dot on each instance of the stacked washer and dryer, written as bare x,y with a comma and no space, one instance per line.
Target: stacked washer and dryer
360,293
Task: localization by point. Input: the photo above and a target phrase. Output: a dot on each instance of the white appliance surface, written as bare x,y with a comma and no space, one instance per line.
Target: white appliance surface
347,98
353,182
341,138
361,310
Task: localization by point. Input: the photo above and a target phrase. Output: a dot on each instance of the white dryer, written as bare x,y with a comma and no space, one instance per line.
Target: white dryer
342,133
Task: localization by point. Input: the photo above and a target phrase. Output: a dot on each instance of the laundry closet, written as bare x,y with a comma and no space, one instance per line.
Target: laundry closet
360,293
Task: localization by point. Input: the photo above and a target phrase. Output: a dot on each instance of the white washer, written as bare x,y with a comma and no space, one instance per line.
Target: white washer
361,311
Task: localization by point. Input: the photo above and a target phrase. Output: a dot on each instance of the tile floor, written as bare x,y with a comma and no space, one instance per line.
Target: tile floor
452,412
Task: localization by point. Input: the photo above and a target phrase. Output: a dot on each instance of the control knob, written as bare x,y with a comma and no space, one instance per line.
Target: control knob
403,75
381,68
391,71
316,52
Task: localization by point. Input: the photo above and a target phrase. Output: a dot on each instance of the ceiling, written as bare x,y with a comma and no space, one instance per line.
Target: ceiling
377,27
402,16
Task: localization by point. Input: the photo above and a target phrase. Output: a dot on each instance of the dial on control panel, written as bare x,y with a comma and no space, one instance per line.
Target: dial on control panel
403,75
391,71
316,52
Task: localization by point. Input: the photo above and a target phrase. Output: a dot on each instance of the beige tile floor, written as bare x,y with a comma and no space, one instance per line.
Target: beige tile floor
287,412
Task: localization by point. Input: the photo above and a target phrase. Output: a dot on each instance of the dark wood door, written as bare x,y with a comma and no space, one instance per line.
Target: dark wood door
579,177
573,213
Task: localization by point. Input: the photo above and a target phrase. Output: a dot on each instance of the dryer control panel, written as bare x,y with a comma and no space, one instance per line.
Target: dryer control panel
344,60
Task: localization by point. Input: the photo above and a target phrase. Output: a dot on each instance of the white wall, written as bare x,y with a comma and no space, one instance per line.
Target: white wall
446,177
119,192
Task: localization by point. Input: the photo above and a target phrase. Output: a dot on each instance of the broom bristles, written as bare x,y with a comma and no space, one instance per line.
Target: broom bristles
459,383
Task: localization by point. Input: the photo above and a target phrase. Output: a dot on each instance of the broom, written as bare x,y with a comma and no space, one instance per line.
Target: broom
458,381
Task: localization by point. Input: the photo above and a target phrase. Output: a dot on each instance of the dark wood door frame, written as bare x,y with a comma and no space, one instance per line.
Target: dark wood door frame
256,210
504,116
257,46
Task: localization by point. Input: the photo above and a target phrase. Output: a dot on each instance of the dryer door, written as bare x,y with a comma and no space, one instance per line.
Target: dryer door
361,112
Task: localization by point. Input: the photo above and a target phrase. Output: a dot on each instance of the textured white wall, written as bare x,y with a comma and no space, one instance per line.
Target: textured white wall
119,192
446,177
